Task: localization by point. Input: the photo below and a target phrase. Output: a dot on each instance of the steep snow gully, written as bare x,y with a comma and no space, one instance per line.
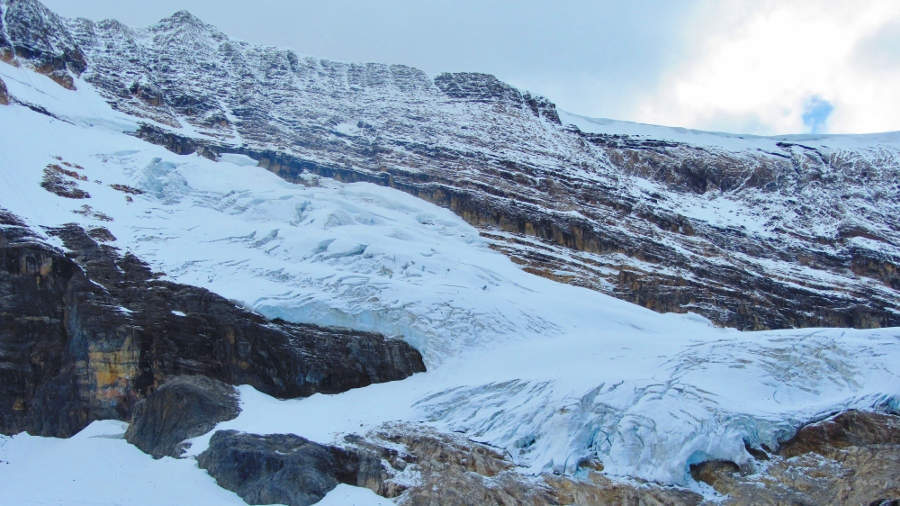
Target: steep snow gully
553,374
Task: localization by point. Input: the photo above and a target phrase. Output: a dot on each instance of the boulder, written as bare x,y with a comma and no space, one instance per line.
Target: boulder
283,468
184,407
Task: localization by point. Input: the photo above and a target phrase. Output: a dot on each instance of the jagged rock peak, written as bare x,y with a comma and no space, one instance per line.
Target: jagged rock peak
32,31
184,21
182,17
30,23
475,86
487,88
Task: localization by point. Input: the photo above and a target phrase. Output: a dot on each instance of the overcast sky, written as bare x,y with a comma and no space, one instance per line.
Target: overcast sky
747,66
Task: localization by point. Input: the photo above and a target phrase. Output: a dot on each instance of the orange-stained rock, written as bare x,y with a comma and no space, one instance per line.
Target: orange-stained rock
87,334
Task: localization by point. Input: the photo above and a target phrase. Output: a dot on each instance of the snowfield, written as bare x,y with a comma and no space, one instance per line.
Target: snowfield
551,373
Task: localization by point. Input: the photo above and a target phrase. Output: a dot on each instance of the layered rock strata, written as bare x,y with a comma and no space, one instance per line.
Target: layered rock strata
85,335
449,470
851,458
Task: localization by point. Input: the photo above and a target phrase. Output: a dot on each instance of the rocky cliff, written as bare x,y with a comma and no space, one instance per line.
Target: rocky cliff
851,458
86,334
752,233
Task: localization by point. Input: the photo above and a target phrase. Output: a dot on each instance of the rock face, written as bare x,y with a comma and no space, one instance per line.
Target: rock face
86,335
284,468
4,94
449,470
40,38
852,458
415,465
182,408
752,233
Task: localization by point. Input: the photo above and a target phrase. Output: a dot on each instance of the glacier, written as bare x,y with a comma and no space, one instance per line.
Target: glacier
552,373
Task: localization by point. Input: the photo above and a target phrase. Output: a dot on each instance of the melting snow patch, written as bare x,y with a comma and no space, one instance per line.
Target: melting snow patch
346,495
347,129
239,160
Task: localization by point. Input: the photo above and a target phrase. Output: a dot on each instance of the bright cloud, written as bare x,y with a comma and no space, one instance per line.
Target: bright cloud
784,67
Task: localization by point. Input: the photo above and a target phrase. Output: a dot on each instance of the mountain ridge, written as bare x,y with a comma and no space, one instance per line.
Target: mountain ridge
573,205
556,378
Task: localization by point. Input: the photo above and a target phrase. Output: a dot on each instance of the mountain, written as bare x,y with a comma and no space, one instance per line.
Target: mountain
178,204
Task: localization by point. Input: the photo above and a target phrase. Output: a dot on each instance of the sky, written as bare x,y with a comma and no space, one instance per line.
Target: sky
746,66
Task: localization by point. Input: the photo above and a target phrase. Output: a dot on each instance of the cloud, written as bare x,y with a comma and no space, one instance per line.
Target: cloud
760,62
880,51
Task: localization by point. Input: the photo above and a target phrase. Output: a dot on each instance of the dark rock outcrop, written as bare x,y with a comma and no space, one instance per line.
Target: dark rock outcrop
182,408
284,468
87,334
475,87
850,428
4,94
63,182
40,38
852,458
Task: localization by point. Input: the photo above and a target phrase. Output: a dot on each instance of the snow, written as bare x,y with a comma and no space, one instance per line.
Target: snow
98,467
347,128
700,394
727,141
239,160
550,372
345,495
90,109
53,472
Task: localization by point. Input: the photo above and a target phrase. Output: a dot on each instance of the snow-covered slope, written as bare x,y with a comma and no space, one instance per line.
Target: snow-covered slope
550,372
97,467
